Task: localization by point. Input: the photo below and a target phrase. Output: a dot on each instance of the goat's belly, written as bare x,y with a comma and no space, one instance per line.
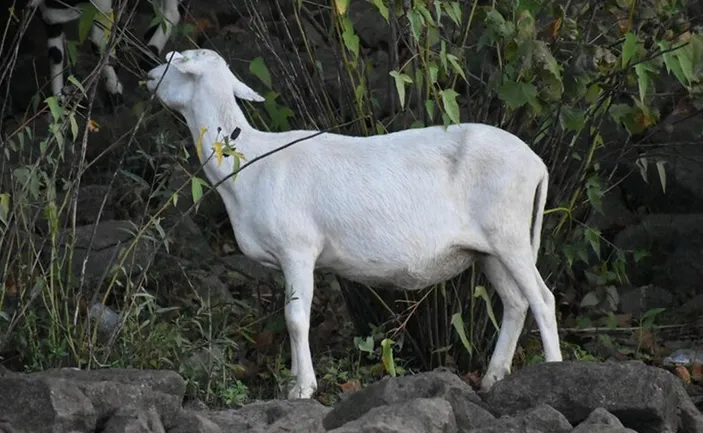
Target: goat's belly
392,274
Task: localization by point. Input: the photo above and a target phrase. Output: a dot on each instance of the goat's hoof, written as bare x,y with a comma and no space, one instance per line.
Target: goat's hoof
299,391
116,99
487,382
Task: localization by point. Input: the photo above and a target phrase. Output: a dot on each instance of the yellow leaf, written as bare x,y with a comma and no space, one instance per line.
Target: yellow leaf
218,147
556,27
199,144
93,126
342,6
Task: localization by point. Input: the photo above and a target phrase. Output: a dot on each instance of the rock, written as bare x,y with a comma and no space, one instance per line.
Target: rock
210,287
674,242
421,415
89,207
191,422
543,419
693,307
467,406
369,24
111,389
5,372
643,398
276,416
615,214
45,404
601,421
204,361
129,419
107,320
639,301
600,428
112,239
250,268
163,381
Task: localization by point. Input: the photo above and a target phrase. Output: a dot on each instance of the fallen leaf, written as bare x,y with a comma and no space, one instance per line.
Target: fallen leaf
473,378
264,340
350,385
697,372
624,319
683,373
555,27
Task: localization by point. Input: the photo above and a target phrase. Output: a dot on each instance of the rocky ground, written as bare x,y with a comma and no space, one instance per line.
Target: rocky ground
576,397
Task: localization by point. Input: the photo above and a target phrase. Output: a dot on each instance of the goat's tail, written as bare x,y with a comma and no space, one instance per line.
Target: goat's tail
538,213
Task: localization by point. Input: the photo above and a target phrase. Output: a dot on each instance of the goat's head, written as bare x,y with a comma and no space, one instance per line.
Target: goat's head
191,72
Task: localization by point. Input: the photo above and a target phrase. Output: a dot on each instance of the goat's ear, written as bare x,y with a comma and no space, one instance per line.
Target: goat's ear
242,91
182,63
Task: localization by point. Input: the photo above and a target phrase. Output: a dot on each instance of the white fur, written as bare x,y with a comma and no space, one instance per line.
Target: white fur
52,16
407,209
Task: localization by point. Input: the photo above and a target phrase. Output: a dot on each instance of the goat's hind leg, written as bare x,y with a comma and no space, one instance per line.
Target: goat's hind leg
159,33
520,263
515,307
98,42
53,21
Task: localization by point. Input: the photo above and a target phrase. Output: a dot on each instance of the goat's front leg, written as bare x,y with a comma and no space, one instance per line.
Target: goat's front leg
299,292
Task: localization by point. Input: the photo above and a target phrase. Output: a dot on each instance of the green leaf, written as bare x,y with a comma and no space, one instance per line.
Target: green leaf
629,48
638,255
433,70
443,55
453,10
672,63
73,80
258,68
236,164
56,110
351,39
685,57
593,191
415,20
572,119
593,238
387,356
364,345
517,94
454,60
643,80
651,314
425,13
544,57
460,328
429,106
196,188
74,125
88,12
662,174
450,105
382,8
480,292
4,207
400,80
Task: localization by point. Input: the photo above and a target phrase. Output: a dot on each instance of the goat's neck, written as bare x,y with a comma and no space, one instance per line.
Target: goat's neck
223,115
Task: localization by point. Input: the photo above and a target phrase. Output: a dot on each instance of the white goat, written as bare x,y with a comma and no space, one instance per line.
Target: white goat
408,209
56,13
